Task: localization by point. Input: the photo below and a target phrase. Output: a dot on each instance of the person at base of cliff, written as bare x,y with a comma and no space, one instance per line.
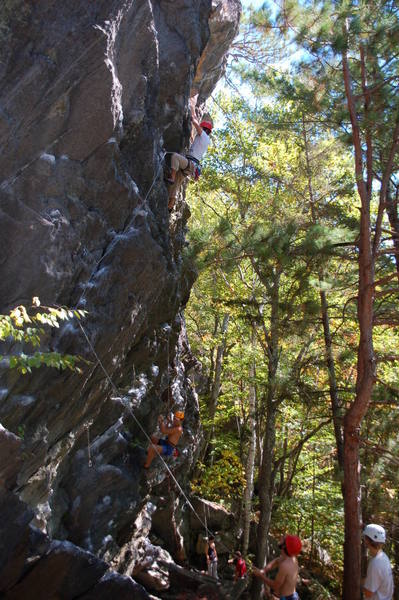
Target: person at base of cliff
212,557
240,566
284,584
190,164
378,584
166,446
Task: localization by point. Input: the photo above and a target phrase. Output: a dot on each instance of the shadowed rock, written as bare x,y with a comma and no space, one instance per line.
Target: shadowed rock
91,95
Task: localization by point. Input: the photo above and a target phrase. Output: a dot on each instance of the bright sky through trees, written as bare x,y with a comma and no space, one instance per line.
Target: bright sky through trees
253,3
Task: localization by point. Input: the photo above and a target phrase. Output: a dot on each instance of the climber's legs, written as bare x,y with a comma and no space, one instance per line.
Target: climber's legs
174,190
171,203
172,176
177,162
152,452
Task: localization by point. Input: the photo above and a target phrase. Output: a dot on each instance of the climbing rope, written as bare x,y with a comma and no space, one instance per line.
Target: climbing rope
169,396
90,463
114,387
170,473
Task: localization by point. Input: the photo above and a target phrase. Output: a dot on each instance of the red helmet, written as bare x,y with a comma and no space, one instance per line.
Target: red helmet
292,544
206,125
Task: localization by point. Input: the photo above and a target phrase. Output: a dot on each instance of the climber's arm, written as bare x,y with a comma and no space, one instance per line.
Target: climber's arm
194,119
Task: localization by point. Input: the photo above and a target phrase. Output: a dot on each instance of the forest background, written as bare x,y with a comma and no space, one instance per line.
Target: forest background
293,317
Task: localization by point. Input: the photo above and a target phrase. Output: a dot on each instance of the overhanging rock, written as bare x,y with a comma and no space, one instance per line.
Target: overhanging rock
91,94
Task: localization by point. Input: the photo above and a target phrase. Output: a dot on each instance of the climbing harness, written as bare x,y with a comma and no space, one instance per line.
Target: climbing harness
193,168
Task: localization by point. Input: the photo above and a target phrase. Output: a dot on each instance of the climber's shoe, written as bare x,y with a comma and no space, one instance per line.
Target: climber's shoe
171,203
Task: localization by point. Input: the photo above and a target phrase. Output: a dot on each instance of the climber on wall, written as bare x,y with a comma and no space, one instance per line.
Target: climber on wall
189,165
166,446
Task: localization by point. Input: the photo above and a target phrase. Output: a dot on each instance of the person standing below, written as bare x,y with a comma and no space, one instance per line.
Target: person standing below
240,566
378,584
284,584
212,557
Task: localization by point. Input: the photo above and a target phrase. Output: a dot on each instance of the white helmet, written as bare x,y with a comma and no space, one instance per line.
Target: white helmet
375,533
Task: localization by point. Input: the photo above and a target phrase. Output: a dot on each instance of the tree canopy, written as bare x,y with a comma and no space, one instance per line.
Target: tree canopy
294,229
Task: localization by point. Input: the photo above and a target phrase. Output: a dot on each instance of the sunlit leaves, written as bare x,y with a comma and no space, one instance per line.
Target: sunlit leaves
223,481
27,329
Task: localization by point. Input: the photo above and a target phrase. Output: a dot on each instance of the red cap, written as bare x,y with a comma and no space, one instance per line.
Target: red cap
293,545
206,125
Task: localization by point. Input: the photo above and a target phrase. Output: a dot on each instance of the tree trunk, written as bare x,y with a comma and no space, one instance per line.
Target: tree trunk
392,212
265,492
333,388
311,553
250,463
266,471
365,363
215,389
354,416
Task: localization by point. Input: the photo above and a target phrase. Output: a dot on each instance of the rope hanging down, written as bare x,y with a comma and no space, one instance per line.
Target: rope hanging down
90,462
106,372
108,377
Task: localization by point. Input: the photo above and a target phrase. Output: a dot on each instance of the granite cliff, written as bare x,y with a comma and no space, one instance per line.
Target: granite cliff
92,94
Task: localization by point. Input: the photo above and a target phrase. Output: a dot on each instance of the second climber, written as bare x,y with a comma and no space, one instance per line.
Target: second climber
166,446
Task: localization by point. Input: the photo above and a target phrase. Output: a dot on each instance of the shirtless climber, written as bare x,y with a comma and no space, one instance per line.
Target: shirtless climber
166,446
284,583
190,164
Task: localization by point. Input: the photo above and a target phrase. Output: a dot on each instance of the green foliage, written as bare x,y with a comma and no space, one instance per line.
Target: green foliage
254,200
318,504
277,208
27,329
223,481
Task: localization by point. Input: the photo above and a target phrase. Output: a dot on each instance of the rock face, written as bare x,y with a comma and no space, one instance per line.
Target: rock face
91,96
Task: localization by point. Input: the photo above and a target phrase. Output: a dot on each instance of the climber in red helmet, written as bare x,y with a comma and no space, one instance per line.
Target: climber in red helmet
284,584
190,163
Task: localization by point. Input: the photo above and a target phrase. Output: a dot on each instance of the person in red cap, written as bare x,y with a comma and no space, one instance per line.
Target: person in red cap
190,164
284,584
